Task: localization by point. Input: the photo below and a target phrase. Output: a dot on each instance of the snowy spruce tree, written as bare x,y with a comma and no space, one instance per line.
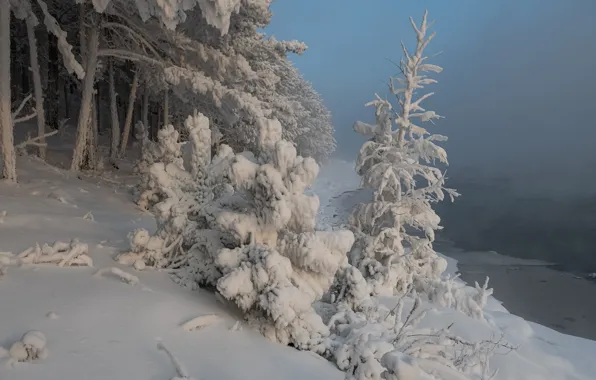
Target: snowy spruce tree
174,191
277,265
396,229
393,254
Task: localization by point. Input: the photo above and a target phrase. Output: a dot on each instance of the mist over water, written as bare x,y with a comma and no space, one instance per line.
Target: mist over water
519,105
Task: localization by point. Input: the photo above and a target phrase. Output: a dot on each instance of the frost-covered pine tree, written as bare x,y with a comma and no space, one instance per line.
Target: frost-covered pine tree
396,229
272,263
173,193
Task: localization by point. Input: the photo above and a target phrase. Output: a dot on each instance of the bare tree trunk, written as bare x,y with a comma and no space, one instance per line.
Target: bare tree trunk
166,108
41,120
131,106
86,101
145,110
43,48
114,112
9,167
92,137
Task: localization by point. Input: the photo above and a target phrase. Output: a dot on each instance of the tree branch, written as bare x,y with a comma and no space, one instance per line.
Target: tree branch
132,56
20,107
34,140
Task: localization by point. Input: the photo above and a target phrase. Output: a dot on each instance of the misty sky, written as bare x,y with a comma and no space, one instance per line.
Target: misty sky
519,86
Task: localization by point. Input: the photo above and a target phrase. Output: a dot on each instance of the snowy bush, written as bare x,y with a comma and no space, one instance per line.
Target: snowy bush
166,151
262,251
32,346
179,194
370,341
396,229
242,225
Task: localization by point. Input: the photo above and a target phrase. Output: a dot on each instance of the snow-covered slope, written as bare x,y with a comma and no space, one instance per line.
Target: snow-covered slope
103,328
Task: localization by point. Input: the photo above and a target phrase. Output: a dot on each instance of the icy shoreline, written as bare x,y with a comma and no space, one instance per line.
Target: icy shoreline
532,289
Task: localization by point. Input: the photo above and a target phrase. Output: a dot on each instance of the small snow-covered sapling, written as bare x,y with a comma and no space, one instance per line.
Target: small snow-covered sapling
32,346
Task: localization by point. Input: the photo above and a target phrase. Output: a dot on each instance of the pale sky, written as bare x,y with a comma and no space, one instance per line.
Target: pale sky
518,88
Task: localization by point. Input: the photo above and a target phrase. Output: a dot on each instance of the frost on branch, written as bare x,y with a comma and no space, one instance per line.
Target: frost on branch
59,253
70,62
396,229
449,292
216,13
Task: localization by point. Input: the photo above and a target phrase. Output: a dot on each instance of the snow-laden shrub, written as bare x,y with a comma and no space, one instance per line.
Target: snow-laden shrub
181,193
32,346
370,341
271,262
451,293
166,151
396,229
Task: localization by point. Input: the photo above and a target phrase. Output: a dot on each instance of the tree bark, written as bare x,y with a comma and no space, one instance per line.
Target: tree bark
146,107
166,109
9,171
92,158
37,87
114,112
131,106
86,101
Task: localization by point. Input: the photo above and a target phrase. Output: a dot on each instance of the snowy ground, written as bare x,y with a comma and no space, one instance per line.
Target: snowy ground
102,328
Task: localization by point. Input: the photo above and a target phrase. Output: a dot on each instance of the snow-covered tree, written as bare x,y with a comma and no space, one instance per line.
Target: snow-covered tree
241,224
174,194
278,265
396,229
9,171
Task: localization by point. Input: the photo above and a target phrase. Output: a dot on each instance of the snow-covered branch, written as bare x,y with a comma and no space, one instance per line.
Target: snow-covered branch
70,61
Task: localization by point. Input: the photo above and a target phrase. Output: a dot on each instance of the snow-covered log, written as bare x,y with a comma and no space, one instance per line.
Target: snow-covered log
122,275
181,371
60,253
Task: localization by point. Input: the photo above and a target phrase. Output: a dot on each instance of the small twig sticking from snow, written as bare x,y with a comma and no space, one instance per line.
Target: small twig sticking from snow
122,275
89,216
52,315
181,372
237,326
200,322
400,301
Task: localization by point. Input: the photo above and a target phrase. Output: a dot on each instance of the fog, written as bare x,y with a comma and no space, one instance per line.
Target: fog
518,93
